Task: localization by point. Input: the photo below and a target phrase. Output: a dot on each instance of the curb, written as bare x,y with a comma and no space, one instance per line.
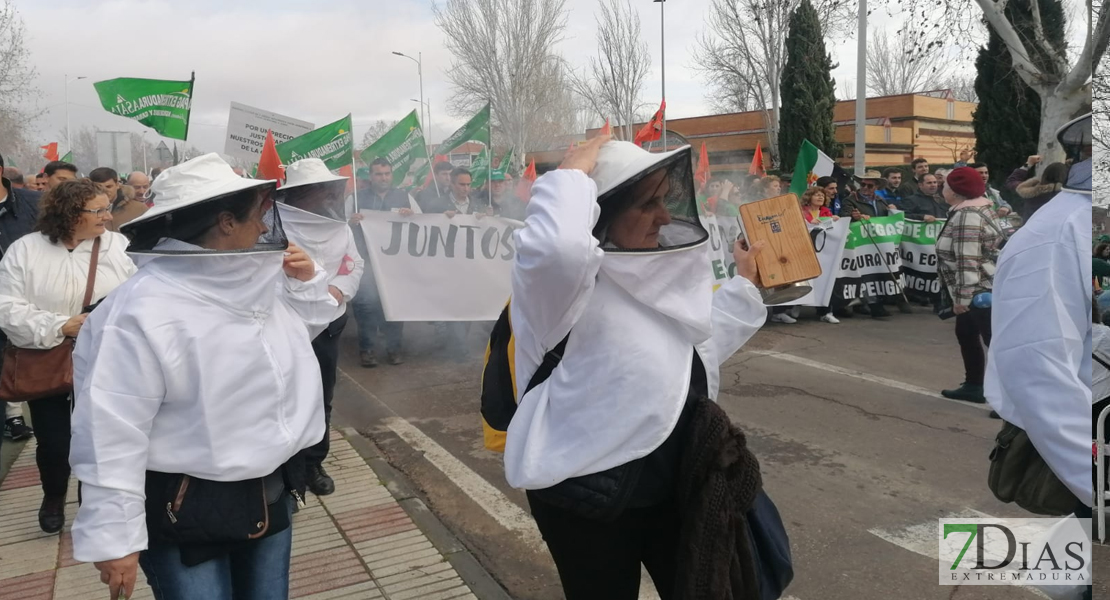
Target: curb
480,582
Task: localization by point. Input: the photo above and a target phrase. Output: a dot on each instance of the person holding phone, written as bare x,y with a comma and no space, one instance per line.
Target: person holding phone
43,279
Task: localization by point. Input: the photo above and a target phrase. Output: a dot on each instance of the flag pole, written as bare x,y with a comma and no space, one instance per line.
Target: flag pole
489,159
427,144
192,82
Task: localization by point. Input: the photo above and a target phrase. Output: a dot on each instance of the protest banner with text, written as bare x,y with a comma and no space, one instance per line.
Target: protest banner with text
830,248
429,267
919,258
247,127
870,267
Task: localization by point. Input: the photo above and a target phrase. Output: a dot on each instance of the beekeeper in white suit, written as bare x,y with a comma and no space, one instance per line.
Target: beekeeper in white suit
614,254
312,212
1039,366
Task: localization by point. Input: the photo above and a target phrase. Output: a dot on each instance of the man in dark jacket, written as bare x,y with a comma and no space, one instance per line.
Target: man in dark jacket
926,205
19,211
864,203
367,304
920,167
431,196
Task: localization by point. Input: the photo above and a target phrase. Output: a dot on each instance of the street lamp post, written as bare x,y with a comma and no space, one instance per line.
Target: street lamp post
69,136
861,92
419,60
428,105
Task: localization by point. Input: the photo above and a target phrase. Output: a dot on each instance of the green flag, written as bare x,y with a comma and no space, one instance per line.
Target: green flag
401,146
159,104
475,130
506,163
68,157
331,143
479,169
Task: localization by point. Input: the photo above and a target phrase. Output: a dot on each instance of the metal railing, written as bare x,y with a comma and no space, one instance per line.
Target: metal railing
1101,453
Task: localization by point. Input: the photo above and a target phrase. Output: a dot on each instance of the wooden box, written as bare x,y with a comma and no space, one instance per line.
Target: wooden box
789,256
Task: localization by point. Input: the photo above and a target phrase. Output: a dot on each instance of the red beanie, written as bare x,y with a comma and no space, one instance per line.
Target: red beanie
966,182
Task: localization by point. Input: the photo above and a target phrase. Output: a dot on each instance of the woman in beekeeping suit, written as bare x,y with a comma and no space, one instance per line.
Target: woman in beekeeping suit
614,259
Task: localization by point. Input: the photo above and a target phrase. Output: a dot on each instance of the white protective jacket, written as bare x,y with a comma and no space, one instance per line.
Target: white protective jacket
1039,364
201,365
42,285
636,319
331,244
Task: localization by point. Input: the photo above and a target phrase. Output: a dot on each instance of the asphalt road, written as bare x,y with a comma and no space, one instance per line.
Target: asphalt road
858,450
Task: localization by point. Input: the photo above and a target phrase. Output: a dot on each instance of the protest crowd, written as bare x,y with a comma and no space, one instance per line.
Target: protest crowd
125,296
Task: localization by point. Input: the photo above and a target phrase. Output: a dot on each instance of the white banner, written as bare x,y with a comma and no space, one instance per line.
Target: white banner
830,249
723,232
247,126
432,268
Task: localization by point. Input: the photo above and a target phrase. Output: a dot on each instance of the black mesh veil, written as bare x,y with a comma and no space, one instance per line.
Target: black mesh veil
1076,137
191,224
671,182
324,199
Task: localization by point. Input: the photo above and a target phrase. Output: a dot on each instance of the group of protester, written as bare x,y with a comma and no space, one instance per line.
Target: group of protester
215,269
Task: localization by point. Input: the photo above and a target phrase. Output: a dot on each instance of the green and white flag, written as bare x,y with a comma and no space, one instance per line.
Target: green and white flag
474,130
402,146
331,143
159,104
505,164
479,169
811,164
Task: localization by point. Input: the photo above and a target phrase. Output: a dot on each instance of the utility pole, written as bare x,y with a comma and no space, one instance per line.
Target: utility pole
861,92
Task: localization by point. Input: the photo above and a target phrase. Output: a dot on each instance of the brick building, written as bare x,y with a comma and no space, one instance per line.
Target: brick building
898,128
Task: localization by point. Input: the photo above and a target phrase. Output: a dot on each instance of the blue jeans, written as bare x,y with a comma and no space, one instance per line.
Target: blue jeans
256,570
367,307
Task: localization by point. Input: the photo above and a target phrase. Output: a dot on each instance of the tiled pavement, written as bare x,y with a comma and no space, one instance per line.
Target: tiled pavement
358,543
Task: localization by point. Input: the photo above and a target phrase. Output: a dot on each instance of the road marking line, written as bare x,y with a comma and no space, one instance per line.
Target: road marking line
921,538
496,504
891,383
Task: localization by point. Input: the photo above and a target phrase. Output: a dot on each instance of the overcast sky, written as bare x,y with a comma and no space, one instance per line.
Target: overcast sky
315,61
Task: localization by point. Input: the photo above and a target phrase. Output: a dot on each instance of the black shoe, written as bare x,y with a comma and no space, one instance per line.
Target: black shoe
966,392
367,360
52,514
878,312
394,358
860,309
319,482
843,314
994,415
17,430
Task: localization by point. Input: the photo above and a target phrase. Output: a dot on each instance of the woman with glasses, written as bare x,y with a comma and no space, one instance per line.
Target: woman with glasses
43,278
814,209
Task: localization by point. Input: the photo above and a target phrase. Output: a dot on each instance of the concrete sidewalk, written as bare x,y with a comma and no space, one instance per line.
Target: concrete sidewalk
359,542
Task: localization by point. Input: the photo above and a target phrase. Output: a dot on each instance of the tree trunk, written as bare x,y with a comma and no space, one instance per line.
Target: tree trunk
1056,109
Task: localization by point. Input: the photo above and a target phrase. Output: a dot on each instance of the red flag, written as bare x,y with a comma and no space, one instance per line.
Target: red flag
348,172
51,153
701,176
607,130
757,162
524,186
269,164
653,129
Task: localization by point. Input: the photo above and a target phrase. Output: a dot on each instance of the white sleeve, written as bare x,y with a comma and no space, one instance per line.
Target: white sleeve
413,205
311,301
26,325
557,260
1041,370
738,312
348,284
118,389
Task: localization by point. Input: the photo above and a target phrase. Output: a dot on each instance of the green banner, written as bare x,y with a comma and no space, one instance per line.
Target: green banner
331,143
402,146
919,258
159,104
878,229
474,130
479,169
506,163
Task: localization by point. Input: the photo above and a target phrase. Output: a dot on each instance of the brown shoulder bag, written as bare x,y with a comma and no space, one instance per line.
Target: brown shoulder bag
30,373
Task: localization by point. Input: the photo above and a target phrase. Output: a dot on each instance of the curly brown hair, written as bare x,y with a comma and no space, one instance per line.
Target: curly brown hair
810,193
60,209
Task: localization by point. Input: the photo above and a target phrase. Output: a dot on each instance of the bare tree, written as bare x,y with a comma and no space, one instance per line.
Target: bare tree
17,92
503,54
742,53
1062,82
847,89
963,87
377,129
895,66
611,84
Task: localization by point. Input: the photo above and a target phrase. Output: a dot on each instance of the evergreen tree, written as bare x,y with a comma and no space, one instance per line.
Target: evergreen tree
808,91
1008,118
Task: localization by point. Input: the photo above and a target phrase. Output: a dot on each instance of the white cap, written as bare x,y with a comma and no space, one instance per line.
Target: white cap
192,182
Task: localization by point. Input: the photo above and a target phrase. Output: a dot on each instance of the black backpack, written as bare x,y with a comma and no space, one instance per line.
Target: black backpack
499,380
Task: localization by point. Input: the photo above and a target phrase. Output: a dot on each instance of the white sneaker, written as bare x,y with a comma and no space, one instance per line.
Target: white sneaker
783,318
829,318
